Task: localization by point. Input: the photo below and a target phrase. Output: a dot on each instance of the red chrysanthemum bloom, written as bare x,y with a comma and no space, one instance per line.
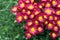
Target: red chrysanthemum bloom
28,35
30,6
33,30
58,12
19,17
48,11
53,35
50,26
14,9
56,29
40,29
21,4
29,22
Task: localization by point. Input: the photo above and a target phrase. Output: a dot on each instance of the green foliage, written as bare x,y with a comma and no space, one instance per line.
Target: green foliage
9,29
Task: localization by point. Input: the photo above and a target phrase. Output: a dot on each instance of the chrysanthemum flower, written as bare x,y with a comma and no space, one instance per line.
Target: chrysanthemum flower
14,9
46,22
32,1
48,11
51,17
58,22
33,30
58,5
23,10
30,6
29,1
50,26
57,12
29,22
40,6
19,17
40,29
53,35
36,12
31,16
21,4
40,18
25,17
26,1
55,18
28,12
36,22
28,35
56,28
54,3
45,16
48,4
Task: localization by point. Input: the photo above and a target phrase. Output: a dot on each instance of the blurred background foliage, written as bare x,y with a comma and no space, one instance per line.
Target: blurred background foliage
9,29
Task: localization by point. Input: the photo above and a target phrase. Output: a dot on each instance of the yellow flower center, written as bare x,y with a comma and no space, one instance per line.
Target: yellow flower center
48,5
29,23
39,29
20,18
22,5
49,25
25,17
48,11
40,18
54,2
58,12
58,22
32,29
30,7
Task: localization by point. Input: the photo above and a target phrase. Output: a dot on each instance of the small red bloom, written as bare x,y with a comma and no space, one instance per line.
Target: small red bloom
56,28
36,12
48,4
40,6
53,35
30,6
23,10
54,3
28,35
25,16
31,16
40,18
29,1
32,1
14,9
58,5
40,29
28,12
29,22
21,4
51,17
58,22
19,17
50,26
33,30
48,11
58,12
26,1
46,22
36,22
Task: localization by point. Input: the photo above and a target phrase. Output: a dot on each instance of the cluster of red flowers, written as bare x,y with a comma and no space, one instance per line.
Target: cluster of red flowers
39,15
